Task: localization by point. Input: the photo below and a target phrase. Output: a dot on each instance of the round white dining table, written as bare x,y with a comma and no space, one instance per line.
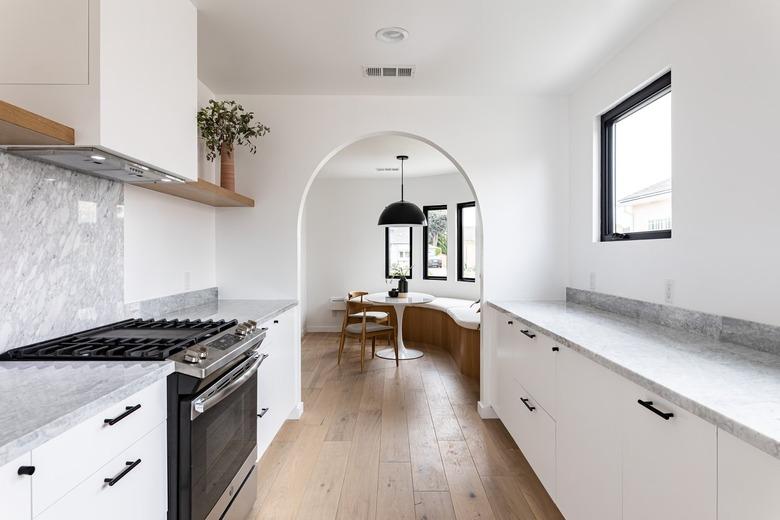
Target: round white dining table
400,304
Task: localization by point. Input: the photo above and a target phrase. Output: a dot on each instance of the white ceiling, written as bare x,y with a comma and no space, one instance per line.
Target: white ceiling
457,46
361,160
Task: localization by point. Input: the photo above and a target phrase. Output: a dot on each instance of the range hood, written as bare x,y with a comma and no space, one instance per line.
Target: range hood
94,160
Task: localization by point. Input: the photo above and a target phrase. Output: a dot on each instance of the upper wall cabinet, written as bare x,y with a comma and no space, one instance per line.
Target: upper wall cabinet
122,74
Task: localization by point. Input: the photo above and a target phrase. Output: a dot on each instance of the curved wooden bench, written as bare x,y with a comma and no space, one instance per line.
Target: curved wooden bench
451,325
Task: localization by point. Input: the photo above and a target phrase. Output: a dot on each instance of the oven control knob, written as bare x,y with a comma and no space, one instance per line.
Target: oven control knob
195,355
252,324
241,330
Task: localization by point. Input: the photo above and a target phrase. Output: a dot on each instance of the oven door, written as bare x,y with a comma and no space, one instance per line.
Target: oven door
222,441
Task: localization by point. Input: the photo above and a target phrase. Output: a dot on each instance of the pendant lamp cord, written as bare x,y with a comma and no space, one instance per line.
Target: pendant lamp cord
402,180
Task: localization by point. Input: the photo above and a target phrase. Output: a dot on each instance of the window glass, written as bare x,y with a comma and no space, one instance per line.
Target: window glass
467,227
398,251
643,168
436,243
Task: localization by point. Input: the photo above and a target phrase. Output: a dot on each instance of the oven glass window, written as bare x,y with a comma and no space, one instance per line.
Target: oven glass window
222,440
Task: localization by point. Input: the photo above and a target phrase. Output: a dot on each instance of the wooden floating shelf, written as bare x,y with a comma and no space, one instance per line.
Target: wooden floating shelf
22,127
203,192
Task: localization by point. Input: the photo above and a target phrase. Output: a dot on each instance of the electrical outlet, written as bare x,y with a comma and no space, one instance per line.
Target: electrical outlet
669,291
592,281
187,276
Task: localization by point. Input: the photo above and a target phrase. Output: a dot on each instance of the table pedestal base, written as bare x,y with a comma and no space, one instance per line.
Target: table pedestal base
403,353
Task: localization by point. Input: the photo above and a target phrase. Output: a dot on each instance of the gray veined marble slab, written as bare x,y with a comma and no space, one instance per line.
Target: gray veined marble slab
40,400
734,387
241,310
165,305
62,239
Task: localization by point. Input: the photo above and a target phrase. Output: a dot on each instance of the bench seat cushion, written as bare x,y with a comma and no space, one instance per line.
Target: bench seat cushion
463,312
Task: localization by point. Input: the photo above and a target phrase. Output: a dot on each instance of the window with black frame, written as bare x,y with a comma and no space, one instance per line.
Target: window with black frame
467,241
636,165
435,243
398,252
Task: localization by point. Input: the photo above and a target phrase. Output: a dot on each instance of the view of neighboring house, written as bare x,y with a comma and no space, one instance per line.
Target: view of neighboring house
649,209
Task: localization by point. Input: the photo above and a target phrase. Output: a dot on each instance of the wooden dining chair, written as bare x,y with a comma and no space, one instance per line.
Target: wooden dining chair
371,315
367,329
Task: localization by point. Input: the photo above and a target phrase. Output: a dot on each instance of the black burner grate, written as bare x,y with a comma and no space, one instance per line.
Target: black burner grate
133,339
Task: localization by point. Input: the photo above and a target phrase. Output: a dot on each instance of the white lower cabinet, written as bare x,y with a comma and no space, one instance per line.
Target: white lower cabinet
748,481
137,488
669,461
275,378
588,464
16,489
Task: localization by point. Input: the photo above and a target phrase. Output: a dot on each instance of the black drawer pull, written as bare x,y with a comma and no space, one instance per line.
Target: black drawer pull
649,406
525,402
556,349
130,465
25,470
263,411
528,333
128,411
510,322
276,321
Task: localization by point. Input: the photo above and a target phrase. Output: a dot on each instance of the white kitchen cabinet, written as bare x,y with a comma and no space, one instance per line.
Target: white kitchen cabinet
66,460
534,432
748,481
588,420
140,493
669,464
138,93
15,490
276,396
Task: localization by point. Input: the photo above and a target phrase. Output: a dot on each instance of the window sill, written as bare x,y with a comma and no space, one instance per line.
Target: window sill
642,235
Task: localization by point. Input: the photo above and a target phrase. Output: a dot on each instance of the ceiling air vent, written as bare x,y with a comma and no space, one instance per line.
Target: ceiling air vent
388,72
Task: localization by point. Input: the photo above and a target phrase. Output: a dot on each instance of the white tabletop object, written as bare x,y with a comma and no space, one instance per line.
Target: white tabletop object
400,304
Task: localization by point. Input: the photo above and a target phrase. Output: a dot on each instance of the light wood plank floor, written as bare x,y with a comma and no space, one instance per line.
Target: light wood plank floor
393,443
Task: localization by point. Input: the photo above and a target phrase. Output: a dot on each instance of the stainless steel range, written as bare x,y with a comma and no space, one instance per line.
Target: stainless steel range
212,403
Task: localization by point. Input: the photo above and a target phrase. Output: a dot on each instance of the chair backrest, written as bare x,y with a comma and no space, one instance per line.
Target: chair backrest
356,294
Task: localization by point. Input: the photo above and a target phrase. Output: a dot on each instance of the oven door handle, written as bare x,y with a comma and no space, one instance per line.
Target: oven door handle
247,369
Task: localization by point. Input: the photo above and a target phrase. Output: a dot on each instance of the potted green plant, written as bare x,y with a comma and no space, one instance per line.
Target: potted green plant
222,125
400,271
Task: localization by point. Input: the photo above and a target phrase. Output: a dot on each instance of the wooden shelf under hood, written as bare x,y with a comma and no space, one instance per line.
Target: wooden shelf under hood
22,127
203,192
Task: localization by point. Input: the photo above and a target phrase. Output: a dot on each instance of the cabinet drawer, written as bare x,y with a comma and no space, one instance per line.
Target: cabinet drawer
533,362
140,493
65,461
15,490
669,462
534,432
279,330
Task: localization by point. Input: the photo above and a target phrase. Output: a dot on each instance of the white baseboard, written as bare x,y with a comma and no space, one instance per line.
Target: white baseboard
323,328
297,412
486,411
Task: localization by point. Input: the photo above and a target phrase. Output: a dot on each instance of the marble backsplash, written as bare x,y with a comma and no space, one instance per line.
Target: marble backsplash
61,251
758,336
157,307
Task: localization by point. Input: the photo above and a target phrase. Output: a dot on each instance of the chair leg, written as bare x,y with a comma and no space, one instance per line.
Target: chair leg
362,352
373,347
395,347
341,346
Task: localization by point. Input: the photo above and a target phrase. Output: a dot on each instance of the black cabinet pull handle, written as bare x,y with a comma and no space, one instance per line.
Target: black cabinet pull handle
276,321
263,411
528,333
130,465
556,349
25,470
649,405
525,402
128,411
510,322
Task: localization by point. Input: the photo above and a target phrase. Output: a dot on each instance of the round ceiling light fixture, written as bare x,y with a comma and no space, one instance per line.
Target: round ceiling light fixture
392,34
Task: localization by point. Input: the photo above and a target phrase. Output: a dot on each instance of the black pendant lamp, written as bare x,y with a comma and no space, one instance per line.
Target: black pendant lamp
402,213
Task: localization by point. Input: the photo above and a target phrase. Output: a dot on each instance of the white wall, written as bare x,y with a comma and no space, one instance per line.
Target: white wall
724,254
514,151
165,239
345,249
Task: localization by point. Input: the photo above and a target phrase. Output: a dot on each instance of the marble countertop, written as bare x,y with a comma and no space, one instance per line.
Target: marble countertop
733,387
241,310
40,400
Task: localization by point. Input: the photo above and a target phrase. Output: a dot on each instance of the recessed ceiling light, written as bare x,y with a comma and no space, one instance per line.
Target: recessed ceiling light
392,34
